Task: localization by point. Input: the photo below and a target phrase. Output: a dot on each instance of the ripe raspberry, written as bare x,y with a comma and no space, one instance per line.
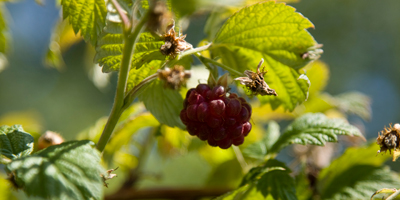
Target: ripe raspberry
212,115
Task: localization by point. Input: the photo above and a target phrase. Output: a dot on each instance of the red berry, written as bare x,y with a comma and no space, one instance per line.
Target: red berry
225,143
210,115
191,112
219,133
235,131
213,122
202,111
233,107
246,128
238,141
184,117
217,107
243,115
202,89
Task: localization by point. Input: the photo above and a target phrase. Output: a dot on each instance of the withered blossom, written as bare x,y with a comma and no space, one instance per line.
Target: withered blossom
255,81
389,138
174,77
174,45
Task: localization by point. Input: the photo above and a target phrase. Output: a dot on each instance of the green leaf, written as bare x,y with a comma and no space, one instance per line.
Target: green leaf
15,142
6,189
70,170
4,36
318,73
275,32
273,29
245,192
315,129
110,46
164,103
352,157
259,149
273,178
360,182
354,103
86,16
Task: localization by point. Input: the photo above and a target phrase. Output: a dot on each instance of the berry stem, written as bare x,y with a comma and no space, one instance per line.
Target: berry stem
122,15
240,158
195,50
118,106
133,93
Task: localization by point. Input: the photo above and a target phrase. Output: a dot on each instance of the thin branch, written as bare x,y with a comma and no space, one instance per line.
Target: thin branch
221,65
195,50
122,14
117,109
175,194
394,195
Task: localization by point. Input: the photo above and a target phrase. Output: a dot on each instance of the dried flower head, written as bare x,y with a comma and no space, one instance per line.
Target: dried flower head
255,81
49,138
389,139
174,45
174,77
160,17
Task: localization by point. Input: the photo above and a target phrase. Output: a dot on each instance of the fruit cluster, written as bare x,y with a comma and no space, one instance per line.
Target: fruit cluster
212,115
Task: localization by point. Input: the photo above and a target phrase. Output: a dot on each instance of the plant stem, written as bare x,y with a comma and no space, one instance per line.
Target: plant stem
394,195
240,158
195,50
220,64
117,109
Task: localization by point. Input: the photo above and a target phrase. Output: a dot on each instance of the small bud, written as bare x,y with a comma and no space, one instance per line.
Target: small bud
313,53
174,77
49,138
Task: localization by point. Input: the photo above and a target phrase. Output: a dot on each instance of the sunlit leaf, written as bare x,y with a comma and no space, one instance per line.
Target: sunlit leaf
360,182
110,46
70,170
86,16
315,129
275,32
229,173
351,159
270,179
164,103
15,142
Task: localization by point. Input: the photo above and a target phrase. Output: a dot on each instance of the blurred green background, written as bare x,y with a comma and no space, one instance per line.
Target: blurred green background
361,46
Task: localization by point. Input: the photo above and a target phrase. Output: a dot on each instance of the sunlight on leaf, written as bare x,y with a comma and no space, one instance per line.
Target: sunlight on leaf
315,129
110,46
4,35
165,104
86,16
275,32
362,165
70,170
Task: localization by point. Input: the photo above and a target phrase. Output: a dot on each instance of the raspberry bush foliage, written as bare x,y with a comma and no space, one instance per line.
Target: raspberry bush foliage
199,120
